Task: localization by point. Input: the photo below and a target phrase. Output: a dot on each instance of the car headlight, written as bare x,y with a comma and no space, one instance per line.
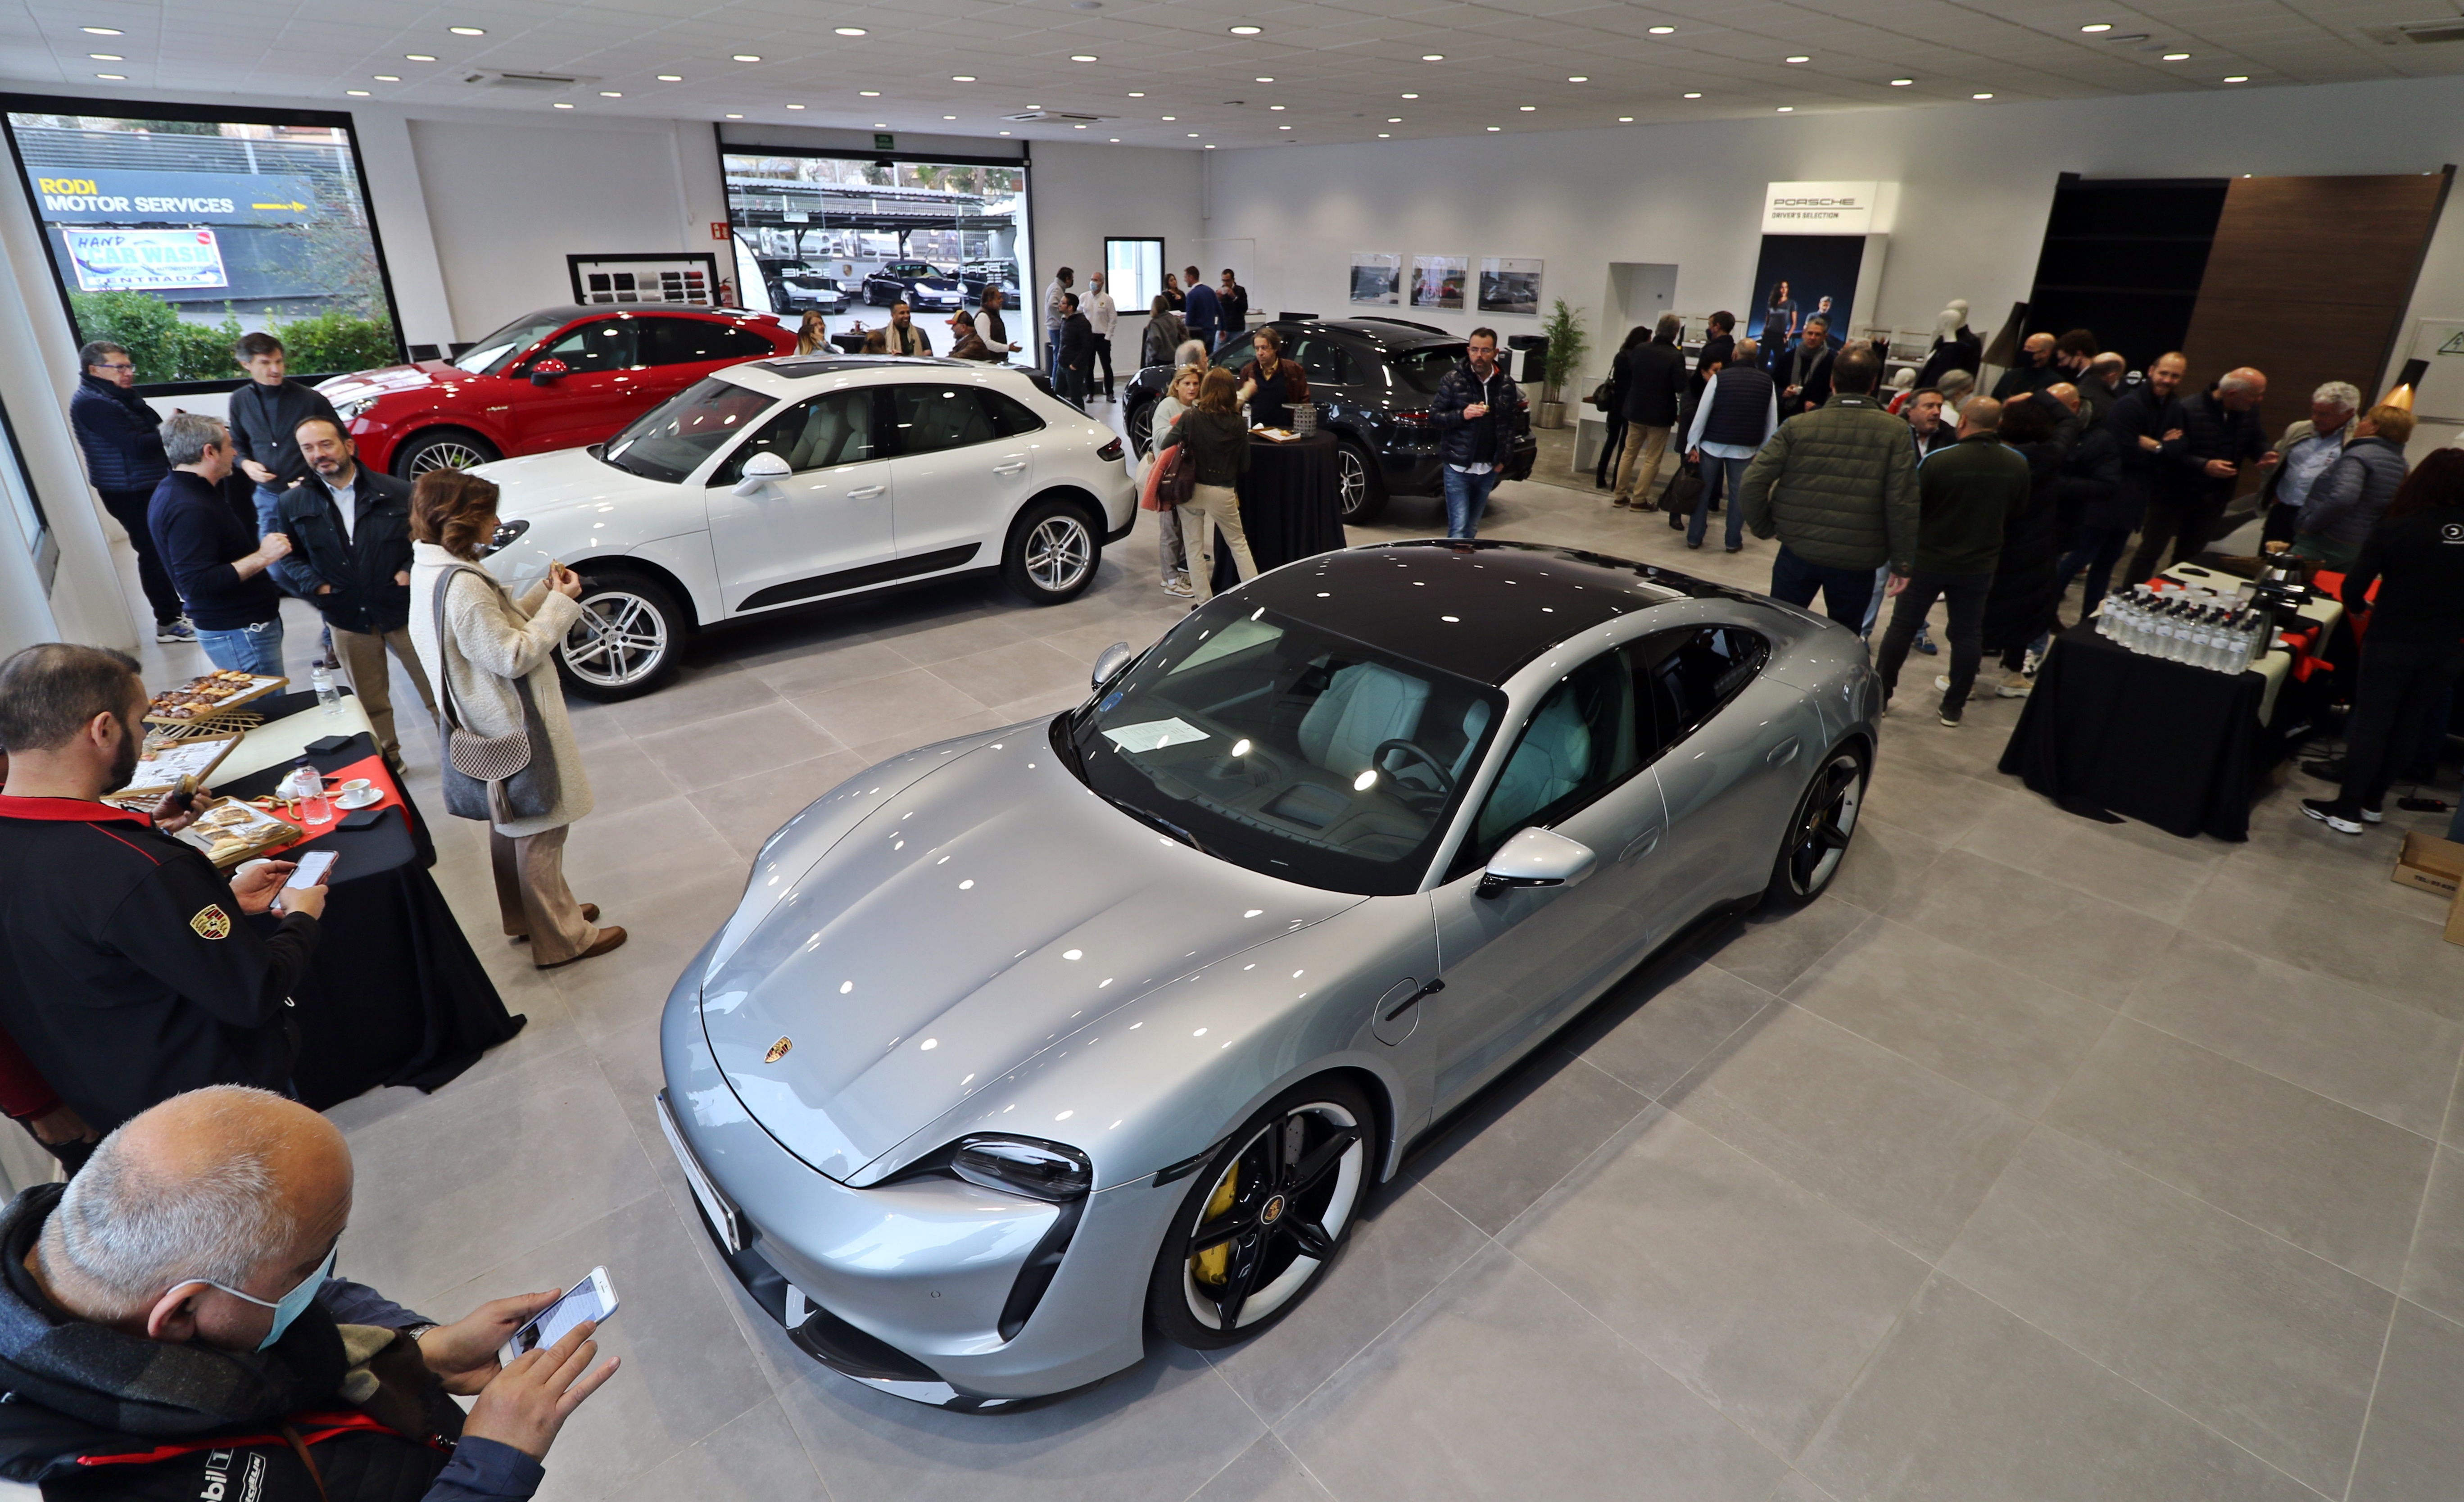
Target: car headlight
506,535
1021,1165
350,410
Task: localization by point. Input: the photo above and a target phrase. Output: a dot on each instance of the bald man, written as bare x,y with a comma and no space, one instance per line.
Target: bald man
170,1326
2035,371
2208,438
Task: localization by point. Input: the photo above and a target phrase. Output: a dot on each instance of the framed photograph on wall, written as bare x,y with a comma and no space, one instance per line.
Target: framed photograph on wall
1376,278
1437,281
1509,284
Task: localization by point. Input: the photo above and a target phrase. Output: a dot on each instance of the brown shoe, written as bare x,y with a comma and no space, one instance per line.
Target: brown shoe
1620,504
610,938
591,912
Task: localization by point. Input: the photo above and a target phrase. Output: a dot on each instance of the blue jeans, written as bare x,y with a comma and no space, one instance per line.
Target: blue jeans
269,508
1720,477
1466,497
1845,591
250,649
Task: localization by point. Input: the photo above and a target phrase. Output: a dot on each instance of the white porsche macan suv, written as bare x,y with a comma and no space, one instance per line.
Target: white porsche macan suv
785,482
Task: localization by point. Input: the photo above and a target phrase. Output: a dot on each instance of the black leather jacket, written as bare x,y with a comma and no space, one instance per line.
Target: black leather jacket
360,566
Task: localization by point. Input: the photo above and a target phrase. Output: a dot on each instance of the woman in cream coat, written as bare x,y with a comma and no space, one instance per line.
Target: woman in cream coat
492,642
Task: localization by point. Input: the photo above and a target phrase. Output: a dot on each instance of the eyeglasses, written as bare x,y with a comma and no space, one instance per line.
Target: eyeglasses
109,365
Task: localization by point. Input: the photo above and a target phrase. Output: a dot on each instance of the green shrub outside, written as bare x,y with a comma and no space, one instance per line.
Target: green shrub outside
168,348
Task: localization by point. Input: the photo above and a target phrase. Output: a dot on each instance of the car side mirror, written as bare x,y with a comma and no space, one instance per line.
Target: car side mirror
760,470
1109,662
549,370
1536,857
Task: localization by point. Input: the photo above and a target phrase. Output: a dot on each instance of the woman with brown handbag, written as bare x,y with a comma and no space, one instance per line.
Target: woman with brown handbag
501,711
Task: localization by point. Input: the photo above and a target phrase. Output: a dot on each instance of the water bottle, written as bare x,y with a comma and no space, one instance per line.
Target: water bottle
321,678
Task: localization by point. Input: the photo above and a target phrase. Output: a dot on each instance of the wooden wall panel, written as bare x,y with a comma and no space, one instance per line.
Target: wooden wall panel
2308,281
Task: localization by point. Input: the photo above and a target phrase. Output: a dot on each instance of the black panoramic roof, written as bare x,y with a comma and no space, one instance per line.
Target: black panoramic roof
1399,333
820,364
1480,611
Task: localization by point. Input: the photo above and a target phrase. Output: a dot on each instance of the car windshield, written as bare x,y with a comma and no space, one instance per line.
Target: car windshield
493,353
1422,369
1286,748
671,440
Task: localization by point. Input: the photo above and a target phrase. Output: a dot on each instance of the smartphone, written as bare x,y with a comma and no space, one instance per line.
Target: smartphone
313,867
594,1297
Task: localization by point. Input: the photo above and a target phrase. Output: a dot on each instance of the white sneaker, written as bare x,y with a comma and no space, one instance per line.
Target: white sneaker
2012,687
1180,587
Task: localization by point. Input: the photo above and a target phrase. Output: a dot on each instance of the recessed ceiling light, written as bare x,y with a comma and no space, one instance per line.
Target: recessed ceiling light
747,57
1385,136
357,94
419,56
1193,135
113,77
107,56
561,104
1497,127
1393,119
1788,109
948,117
1274,106
1004,132
881,124
962,78
611,94
2236,77
1625,119
1661,30
1116,141
1693,95
1800,57
1210,145
1578,79
868,94
388,77
1901,83
1137,95
1264,78
1245,30
2177,56
1084,58
791,107
849,31
672,77
1980,96
1168,117
2097,26
102,31
1433,56
468,31
739,116
1411,95
1282,127
1527,108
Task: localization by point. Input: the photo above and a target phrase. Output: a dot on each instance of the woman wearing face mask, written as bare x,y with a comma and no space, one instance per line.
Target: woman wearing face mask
1274,384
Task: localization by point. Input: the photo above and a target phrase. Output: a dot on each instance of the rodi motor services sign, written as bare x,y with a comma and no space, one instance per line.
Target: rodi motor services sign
142,198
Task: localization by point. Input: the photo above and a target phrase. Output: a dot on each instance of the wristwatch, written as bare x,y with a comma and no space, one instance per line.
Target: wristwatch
418,1332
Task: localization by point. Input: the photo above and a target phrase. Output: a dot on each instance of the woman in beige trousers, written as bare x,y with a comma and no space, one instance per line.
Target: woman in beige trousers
492,643
1218,441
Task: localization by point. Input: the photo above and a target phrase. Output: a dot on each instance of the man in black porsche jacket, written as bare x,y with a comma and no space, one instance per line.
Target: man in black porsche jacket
2208,438
350,558
131,970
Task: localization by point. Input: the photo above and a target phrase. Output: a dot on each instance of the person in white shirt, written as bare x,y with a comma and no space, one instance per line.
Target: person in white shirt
1738,414
1102,315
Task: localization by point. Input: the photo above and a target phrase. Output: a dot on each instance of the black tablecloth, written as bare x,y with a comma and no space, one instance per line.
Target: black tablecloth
2109,731
395,994
1290,505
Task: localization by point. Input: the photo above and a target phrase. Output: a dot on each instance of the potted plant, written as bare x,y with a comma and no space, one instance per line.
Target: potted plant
1567,341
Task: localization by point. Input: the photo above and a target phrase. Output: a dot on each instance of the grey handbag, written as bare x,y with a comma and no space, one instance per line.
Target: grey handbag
490,777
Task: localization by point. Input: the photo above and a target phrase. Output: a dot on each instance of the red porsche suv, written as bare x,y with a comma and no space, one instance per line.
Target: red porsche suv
560,377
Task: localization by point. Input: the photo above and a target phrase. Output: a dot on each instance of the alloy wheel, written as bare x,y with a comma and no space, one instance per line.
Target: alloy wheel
1821,836
1058,552
1275,1216
620,640
1351,481
448,453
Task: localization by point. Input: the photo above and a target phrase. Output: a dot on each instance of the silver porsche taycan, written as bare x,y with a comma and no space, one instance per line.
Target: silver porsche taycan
1023,1046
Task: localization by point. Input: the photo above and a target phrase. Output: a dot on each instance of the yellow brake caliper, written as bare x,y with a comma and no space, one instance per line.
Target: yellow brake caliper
1215,1263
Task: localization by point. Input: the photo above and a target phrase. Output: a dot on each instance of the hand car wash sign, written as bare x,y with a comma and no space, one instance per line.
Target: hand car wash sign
134,231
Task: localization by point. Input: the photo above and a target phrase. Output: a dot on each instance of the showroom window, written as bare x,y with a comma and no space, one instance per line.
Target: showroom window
34,528
174,231
1133,271
847,219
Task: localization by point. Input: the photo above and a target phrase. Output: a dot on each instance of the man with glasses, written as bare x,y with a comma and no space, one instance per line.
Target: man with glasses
123,459
170,1326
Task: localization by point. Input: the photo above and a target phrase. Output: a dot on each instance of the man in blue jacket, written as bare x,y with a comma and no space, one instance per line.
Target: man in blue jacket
170,1326
1478,411
1204,312
216,558
123,459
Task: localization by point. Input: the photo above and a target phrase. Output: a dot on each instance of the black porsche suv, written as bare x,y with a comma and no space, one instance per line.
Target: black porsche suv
1373,380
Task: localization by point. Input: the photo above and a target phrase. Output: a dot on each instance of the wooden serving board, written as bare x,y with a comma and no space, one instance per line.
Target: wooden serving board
245,688
159,770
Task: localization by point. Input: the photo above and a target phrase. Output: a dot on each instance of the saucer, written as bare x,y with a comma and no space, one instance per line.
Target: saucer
364,798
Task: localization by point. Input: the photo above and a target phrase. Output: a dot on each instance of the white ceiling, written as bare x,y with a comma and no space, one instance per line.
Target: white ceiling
1339,69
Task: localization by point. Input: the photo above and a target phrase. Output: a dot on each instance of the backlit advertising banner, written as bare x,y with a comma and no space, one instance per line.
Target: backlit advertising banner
144,260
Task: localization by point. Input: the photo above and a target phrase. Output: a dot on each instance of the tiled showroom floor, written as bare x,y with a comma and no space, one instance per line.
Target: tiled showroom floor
2041,1158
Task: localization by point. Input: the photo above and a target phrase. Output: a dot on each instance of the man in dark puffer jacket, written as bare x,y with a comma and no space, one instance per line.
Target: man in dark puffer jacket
169,1329
122,441
1837,486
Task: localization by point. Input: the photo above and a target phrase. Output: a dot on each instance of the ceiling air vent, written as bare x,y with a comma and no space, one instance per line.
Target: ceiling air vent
493,79
2418,34
1061,116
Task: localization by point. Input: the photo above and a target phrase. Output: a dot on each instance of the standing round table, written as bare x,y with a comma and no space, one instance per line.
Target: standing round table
1292,505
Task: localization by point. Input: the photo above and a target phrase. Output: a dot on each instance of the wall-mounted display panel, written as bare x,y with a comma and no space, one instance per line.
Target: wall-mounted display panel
173,230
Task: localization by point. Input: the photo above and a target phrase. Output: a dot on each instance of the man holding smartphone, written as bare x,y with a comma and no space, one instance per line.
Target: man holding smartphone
133,970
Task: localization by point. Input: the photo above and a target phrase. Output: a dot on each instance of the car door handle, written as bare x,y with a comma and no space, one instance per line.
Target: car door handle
1785,751
1639,846
1013,466
1411,1001
864,493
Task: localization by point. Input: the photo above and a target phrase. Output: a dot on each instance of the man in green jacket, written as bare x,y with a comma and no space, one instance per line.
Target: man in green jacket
1965,495
1839,487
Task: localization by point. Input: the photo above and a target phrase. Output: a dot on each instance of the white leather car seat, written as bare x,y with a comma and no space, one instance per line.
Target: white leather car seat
1548,763
1363,707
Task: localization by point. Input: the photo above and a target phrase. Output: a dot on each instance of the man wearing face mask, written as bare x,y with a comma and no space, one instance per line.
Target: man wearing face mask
170,1326
132,970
